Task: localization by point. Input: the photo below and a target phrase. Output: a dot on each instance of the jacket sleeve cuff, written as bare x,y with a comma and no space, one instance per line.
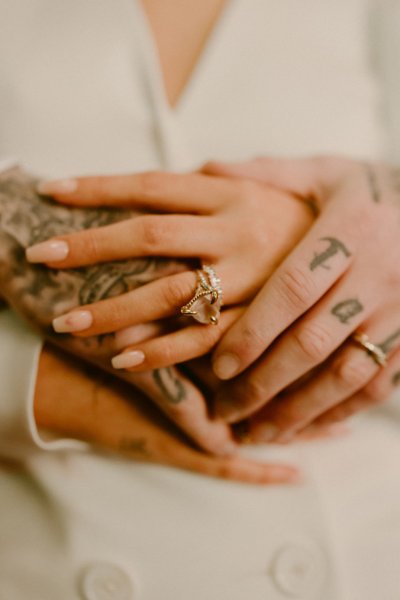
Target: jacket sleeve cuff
19,356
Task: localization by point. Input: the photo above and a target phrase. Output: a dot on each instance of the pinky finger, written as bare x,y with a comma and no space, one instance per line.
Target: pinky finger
376,392
177,347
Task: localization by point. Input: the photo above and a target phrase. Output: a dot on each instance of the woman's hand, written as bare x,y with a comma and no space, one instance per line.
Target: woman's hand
39,294
343,277
243,228
114,417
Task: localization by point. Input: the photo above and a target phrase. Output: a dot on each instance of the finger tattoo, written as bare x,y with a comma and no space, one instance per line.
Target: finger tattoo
390,343
170,385
335,246
346,310
373,184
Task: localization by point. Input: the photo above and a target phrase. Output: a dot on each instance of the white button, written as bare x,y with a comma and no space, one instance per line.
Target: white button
105,581
299,570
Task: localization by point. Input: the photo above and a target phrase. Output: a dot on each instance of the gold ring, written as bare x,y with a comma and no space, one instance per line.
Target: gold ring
205,306
375,352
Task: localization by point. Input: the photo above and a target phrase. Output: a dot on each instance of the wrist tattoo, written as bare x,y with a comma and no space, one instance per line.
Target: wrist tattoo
346,310
169,385
335,247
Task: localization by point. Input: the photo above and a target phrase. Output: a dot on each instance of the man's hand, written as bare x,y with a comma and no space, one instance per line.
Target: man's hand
114,416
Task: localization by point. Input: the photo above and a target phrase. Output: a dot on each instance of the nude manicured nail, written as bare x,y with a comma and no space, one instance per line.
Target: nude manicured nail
57,186
226,365
51,251
127,360
79,320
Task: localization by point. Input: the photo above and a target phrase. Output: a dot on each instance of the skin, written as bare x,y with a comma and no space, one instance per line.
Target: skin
98,409
38,294
330,286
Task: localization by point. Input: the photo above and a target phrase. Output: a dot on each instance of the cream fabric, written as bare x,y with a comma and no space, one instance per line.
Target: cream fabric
80,92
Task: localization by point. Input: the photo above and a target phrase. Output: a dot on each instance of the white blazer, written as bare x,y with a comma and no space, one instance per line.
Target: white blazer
81,92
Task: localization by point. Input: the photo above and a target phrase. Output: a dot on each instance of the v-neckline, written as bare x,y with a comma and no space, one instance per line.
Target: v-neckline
198,68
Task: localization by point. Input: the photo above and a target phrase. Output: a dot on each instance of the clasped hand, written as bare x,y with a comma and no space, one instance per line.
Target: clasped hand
295,288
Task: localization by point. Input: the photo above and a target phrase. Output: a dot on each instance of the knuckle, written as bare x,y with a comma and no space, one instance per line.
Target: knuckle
177,290
314,342
296,287
152,232
88,245
351,374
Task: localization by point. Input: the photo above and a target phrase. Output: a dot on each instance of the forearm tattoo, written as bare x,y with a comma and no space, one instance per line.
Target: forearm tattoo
39,293
334,247
346,310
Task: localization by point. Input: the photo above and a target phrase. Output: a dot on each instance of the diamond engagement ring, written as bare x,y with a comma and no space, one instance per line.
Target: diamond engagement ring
205,306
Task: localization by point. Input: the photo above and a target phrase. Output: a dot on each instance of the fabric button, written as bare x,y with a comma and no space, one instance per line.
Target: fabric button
105,581
299,570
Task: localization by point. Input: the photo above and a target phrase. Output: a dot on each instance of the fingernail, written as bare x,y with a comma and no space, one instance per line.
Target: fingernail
79,320
130,336
50,251
57,186
126,360
265,432
226,365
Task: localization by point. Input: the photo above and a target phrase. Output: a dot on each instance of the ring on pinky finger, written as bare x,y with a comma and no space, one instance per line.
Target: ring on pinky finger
344,375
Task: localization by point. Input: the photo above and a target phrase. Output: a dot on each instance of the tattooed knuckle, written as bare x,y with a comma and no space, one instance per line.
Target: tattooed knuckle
92,246
313,341
352,375
296,288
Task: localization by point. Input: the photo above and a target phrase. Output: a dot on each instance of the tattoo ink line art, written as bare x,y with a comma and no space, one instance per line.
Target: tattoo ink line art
170,386
335,246
373,184
390,343
346,310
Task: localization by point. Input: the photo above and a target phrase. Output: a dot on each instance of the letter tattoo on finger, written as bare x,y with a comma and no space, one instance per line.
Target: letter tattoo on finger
335,247
346,310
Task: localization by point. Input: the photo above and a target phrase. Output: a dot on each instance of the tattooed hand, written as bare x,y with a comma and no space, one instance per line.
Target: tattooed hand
40,294
98,409
343,277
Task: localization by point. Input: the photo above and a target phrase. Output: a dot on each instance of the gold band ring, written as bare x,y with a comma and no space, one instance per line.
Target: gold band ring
375,352
205,306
